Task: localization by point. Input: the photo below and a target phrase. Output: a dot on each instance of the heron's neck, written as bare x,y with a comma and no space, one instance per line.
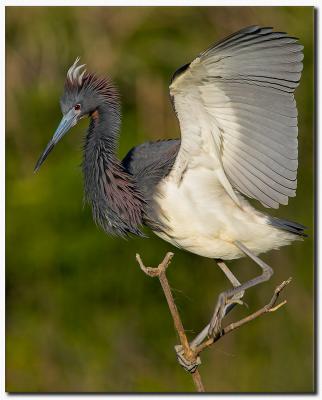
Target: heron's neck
104,127
116,203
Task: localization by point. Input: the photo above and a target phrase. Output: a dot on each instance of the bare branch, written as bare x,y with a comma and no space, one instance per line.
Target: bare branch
270,307
188,354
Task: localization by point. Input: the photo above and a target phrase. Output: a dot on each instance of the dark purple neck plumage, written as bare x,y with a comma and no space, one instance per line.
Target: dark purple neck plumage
117,205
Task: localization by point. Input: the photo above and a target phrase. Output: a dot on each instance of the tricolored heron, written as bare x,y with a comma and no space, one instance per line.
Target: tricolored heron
238,120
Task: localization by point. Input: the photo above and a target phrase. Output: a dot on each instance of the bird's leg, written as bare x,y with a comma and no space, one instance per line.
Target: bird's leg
226,297
236,299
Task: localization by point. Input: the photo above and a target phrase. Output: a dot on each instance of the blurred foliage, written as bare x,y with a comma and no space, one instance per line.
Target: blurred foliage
81,316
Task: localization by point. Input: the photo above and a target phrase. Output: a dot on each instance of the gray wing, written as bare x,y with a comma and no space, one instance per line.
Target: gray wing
150,162
235,102
140,157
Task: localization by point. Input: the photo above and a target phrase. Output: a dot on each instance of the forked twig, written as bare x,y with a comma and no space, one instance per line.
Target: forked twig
191,355
269,307
160,272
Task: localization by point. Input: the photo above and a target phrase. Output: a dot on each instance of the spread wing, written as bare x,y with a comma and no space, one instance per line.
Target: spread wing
237,112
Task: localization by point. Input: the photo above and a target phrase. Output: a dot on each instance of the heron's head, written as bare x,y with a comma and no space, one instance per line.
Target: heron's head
83,94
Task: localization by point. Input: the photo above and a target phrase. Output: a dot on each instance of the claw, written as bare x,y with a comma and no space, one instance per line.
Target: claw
215,328
215,323
189,366
223,307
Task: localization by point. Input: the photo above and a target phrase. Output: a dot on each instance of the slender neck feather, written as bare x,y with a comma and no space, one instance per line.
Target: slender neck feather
116,203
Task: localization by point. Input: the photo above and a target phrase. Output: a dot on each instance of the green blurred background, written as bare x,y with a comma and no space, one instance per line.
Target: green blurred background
81,316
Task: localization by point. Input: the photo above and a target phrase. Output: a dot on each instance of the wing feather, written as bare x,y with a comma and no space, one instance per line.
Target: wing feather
235,102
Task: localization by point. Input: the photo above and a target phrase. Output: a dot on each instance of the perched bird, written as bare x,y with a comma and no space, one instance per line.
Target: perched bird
238,122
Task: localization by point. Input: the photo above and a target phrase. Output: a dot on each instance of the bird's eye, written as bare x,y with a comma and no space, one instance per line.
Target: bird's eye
77,107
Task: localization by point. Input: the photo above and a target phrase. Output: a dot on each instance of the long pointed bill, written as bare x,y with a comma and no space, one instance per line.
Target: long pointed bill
67,122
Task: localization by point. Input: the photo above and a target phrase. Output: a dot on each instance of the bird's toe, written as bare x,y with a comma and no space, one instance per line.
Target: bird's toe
188,365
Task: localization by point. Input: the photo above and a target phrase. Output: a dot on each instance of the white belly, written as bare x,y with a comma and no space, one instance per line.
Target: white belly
201,217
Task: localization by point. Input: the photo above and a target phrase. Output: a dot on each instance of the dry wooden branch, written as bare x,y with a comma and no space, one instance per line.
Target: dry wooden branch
160,272
270,307
188,355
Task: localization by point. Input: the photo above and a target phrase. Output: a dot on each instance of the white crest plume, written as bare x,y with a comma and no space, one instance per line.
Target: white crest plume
74,74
